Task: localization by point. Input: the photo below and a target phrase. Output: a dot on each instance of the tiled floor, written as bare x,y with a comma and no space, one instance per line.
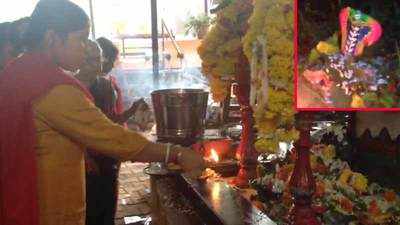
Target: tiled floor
134,190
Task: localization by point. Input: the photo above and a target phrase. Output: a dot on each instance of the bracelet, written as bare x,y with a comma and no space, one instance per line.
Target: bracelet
178,157
168,153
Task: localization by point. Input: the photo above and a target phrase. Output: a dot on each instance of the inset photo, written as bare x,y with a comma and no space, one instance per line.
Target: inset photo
348,55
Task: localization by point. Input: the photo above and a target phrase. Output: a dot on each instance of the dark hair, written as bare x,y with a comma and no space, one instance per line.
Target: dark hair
110,53
20,26
60,16
11,33
16,34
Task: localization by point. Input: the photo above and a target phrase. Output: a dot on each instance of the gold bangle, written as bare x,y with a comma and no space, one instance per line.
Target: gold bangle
168,153
179,156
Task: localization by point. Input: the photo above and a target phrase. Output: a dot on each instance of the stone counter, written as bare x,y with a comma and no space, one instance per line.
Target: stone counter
180,200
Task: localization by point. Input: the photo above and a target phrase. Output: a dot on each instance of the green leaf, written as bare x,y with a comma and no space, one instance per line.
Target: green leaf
314,55
370,97
387,100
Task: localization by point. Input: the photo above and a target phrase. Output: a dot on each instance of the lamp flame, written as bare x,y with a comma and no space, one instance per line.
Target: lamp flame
213,156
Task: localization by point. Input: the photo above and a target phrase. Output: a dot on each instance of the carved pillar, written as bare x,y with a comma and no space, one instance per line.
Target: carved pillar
302,183
246,150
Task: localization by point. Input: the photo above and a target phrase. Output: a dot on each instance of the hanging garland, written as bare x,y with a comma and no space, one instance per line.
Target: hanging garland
219,49
269,46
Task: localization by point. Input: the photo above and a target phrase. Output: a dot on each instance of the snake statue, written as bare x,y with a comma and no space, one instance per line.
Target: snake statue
354,76
358,30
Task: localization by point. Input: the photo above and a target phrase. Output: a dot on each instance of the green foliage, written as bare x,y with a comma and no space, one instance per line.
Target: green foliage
314,54
370,98
196,24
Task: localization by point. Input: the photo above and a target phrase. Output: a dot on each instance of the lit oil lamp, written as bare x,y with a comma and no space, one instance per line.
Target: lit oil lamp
214,155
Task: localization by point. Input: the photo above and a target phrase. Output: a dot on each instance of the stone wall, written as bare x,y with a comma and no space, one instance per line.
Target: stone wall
376,121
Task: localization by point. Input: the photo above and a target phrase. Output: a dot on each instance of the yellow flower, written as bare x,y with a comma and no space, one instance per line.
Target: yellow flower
289,167
329,152
266,126
269,28
359,182
356,180
381,218
345,177
357,101
384,218
326,48
218,89
219,48
313,161
260,171
267,145
328,185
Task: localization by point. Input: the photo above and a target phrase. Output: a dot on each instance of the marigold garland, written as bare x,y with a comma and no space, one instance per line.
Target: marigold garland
219,49
270,35
271,30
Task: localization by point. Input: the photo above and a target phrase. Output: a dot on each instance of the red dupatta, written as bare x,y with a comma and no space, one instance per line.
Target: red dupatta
119,107
21,82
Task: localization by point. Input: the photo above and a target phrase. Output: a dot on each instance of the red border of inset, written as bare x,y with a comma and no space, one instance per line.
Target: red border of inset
295,53
296,71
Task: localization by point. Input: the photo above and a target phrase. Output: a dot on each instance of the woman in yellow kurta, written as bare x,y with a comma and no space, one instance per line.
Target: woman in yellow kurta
48,120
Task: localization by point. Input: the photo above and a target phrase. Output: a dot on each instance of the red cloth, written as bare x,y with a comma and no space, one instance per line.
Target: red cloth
21,82
119,107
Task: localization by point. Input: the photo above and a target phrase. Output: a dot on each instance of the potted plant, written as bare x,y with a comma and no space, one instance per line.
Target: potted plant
198,25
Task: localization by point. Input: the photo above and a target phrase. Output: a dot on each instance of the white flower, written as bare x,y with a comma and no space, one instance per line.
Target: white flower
265,180
367,199
278,186
374,188
383,204
338,165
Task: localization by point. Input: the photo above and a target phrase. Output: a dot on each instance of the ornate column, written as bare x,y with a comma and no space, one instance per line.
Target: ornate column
246,151
302,183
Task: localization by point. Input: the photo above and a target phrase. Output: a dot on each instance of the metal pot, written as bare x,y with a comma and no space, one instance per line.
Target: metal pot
180,114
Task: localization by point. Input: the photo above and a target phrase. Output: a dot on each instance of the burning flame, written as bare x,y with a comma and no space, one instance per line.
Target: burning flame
213,156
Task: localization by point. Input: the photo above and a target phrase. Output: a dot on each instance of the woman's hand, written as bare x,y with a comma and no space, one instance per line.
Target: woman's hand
191,161
139,105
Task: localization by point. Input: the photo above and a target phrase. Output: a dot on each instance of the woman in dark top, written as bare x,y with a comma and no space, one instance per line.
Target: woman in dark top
102,171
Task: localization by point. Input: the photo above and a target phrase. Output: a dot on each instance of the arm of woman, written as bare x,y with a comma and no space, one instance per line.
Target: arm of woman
103,91
67,110
137,105
124,117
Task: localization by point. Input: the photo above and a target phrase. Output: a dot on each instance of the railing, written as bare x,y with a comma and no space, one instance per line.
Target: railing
123,38
166,33
164,28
